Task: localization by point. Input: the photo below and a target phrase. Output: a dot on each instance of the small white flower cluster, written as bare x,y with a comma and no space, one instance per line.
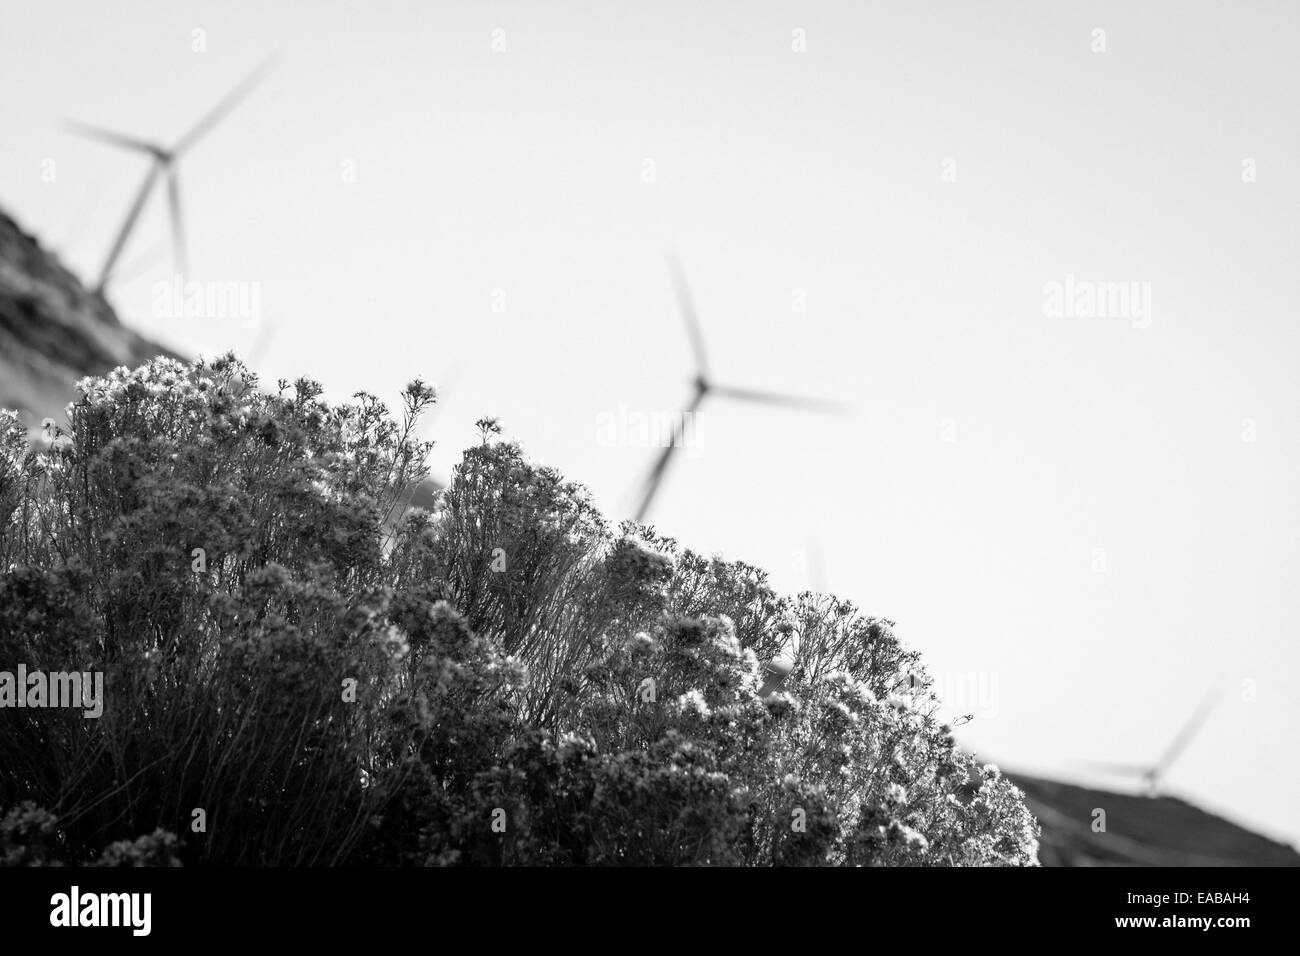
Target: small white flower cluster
693,700
157,378
782,703
394,641
851,717
570,741
724,636
899,703
510,669
641,641
845,684
913,838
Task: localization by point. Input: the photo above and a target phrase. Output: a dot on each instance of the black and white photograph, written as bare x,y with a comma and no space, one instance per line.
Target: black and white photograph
554,437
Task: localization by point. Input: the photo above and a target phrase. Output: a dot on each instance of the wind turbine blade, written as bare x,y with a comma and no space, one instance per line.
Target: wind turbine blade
223,108
125,232
687,305
134,267
779,399
653,481
119,140
656,476
1188,731
178,225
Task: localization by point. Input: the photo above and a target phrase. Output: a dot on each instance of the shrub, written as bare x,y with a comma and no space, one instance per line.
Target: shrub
299,670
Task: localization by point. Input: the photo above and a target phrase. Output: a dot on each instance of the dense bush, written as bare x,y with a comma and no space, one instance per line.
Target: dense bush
300,670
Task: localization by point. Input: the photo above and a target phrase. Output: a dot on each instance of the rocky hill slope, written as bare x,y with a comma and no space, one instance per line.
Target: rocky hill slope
1140,830
53,330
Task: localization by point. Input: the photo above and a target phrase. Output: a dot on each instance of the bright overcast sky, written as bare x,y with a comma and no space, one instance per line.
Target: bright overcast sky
1065,508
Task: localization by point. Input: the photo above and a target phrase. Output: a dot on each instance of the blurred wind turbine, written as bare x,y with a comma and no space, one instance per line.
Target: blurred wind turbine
1152,775
165,160
704,387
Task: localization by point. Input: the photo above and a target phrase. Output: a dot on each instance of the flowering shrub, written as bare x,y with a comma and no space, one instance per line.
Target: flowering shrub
300,670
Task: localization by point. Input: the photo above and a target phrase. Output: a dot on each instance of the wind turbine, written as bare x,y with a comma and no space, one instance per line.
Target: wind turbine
1152,774
704,386
165,160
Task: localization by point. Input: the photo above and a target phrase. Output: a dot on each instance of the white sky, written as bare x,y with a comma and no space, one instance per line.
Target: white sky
776,171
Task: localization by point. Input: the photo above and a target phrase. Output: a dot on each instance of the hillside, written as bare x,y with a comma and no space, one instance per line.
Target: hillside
53,330
1140,831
